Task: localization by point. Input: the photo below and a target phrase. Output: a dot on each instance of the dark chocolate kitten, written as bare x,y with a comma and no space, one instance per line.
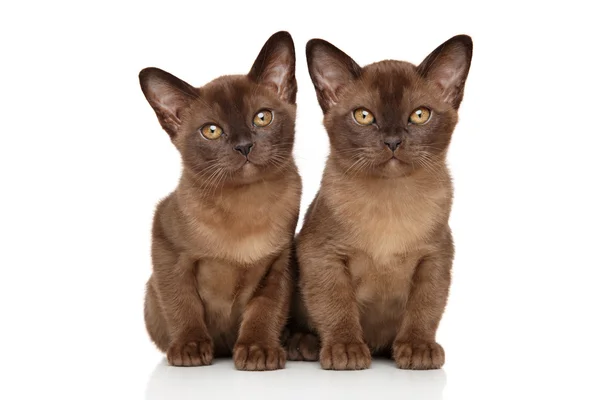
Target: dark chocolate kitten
375,252
221,241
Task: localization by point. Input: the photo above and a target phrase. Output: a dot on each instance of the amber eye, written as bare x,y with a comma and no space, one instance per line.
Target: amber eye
262,118
363,116
211,131
420,116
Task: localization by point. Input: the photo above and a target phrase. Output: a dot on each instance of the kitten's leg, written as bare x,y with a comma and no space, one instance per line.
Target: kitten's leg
415,346
155,321
329,297
174,281
258,346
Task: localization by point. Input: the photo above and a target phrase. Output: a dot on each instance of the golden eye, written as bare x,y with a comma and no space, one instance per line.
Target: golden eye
420,116
363,116
211,131
262,118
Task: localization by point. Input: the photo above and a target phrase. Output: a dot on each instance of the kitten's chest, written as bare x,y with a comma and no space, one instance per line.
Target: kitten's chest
243,238
248,228
386,221
380,282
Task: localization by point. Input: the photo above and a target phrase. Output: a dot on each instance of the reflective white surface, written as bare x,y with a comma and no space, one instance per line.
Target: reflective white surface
298,381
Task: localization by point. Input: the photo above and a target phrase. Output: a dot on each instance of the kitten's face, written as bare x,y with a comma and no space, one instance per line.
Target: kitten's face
236,129
389,118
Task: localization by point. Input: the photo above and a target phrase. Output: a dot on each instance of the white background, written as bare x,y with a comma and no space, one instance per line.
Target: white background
83,162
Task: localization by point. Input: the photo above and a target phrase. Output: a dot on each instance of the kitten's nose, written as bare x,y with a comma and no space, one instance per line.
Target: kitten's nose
392,143
244,148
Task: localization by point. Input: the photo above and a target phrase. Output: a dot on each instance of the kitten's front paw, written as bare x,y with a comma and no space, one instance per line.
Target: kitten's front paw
190,354
418,355
342,356
302,347
255,357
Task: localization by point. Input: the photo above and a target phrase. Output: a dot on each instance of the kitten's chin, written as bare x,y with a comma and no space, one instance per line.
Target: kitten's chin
248,172
394,168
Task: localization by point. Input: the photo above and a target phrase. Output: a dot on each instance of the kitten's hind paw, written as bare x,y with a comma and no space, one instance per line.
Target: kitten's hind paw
302,347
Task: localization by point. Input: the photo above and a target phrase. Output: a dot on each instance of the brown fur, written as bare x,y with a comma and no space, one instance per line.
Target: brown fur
221,242
375,252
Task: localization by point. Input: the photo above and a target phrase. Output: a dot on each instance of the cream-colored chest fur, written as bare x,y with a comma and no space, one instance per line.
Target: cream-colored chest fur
386,217
245,224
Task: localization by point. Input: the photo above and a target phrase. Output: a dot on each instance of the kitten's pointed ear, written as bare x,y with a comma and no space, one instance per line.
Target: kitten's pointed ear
275,66
448,67
330,70
168,96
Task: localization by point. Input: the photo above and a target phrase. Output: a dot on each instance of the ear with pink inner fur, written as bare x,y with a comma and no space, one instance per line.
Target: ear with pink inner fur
448,67
275,66
168,96
330,70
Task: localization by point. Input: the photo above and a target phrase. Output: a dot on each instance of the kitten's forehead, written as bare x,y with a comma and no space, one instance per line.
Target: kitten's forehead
227,91
393,87
234,96
390,78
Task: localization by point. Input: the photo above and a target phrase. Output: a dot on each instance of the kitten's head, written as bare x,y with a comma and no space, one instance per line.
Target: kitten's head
389,118
236,129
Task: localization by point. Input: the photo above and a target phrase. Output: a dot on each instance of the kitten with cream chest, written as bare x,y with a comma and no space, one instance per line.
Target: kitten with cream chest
375,252
221,242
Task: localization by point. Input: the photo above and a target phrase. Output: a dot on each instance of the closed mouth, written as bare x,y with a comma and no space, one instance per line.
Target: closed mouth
393,158
243,165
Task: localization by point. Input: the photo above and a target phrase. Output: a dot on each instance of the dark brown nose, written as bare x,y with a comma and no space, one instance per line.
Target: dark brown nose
244,148
392,143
